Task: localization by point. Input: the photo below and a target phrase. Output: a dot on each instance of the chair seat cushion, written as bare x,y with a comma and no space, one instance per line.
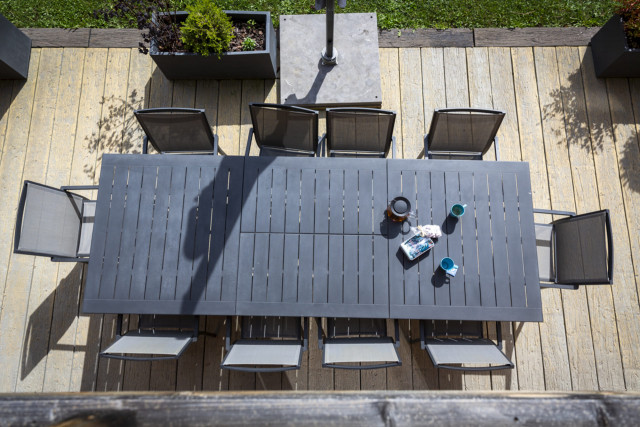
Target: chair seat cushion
545,254
465,352
348,350
86,229
256,352
170,343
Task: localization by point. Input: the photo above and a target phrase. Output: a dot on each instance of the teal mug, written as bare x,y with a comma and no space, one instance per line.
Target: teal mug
457,210
446,263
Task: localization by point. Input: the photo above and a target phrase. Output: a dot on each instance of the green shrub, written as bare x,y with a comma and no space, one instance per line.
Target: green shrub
249,44
207,30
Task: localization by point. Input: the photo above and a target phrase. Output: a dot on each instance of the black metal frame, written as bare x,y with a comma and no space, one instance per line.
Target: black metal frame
20,214
498,344
194,338
205,123
318,148
396,345
304,338
471,155
390,139
609,231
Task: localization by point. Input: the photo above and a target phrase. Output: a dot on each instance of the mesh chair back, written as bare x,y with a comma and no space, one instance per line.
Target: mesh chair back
346,327
48,222
176,129
452,329
463,130
285,127
583,249
255,327
359,130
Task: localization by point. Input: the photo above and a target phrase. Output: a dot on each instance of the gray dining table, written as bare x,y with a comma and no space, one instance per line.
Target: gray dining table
289,236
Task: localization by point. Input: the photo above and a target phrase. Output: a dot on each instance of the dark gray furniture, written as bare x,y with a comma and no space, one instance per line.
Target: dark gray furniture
284,130
285,236
360,132
156,337
462,133
15,51
267,344
177,130
493,243
457,345
574,251
358,343
54,222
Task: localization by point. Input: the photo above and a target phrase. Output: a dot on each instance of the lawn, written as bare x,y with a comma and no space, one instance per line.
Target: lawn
391,13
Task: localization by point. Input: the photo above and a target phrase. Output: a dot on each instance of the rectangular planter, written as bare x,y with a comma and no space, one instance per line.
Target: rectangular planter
259,64
612,56
15,51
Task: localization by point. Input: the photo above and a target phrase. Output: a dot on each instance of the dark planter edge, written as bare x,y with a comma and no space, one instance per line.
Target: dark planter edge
612,56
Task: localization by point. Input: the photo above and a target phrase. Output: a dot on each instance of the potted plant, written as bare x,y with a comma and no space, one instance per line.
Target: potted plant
203,42
616,46
15,51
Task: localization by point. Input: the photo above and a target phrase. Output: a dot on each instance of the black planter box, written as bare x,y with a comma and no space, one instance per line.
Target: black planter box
259,64
612,57
15,51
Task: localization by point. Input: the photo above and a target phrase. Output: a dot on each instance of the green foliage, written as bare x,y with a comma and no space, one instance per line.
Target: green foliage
207,29
251,23
391,13
248,44
629,10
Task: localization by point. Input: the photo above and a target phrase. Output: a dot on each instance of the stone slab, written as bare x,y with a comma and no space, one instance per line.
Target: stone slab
426,37
525,37
355,81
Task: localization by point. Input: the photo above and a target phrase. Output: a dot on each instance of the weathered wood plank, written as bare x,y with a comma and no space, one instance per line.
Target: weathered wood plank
433,86
425,37
69,278
57,37
411,102
230,95
252,91
6,97
87,339
115,37
207,98
552,331
603,331
625,289
522,37
527,335
480,84
390,84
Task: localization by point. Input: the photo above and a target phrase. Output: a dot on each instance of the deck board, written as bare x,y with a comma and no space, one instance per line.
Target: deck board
578,133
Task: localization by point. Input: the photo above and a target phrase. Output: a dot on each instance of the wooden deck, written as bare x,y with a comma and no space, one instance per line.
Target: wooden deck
578,133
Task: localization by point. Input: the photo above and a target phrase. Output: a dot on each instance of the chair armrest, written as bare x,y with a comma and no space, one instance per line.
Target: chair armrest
426,146
145,145
248,148
215,144
499,335
78,187
396,330
227,338
423,343
321,142
495,145
552,212
609,244
393,147
68,259
305,333
320,332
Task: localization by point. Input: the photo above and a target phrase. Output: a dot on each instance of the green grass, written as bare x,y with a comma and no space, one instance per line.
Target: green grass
391,13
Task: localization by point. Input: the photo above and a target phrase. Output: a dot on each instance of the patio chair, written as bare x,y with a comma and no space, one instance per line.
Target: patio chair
157,337
54,222
462,133
574,251
177,130
461,345
284,130
358,344
267,344
360,132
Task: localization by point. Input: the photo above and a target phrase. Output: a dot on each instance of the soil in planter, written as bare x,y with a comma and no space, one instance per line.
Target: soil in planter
241,31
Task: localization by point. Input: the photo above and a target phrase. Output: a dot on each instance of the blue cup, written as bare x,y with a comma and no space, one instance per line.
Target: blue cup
457,210
446,263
